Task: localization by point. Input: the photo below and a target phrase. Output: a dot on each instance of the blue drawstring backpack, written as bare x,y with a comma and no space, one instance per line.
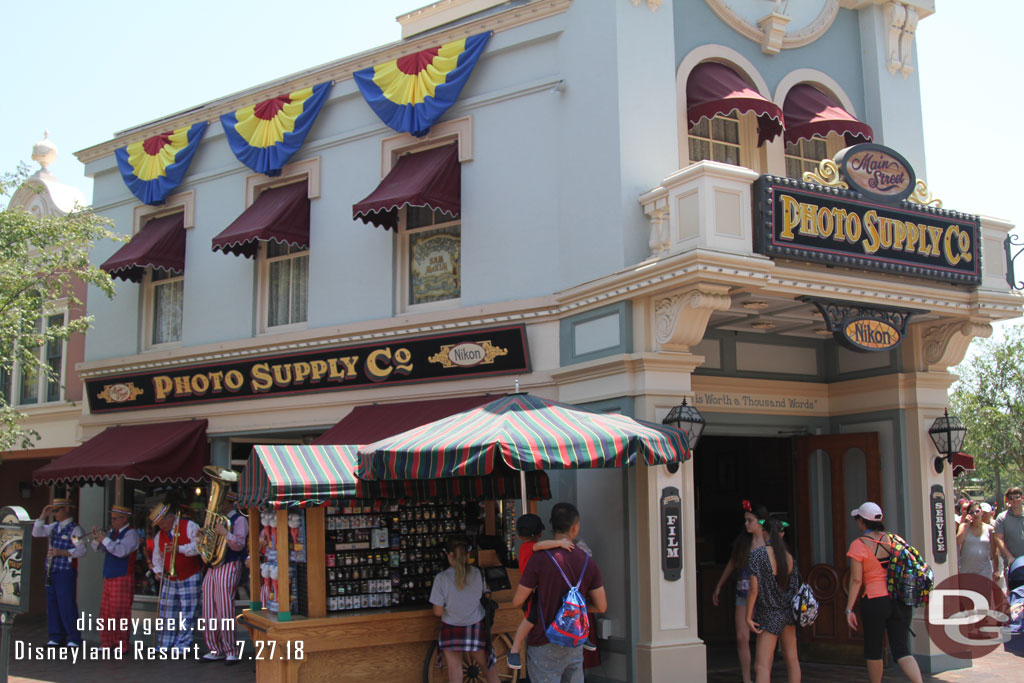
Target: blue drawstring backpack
571,625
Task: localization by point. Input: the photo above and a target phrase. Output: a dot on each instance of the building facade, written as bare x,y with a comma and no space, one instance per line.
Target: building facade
613,162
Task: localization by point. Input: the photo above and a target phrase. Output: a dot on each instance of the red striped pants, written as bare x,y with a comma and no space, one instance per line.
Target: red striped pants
219,587
116,603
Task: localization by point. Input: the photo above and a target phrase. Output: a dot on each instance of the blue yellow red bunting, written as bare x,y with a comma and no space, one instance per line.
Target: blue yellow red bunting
411,93
153,167
264,136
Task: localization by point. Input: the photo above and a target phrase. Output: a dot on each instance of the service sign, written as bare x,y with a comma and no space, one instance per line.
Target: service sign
15,558
798,220
940,535
877,172
474,353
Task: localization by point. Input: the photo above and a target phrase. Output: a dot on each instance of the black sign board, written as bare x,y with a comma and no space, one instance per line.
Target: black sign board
671,533
940,537
474,353
799,220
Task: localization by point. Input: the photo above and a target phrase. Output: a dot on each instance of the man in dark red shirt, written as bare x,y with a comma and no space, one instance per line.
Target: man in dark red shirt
550,663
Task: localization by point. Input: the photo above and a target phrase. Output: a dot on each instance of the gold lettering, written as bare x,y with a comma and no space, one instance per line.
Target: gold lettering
261,379
839,218
807,217
951,258
350,365
216,377
789,217
200,384
403,361
899,234
317,369
181,386
911,237
886,232
374,370
824,224
936,235
162,386
964,242
871,241
302,371
233,380
282,378
853,227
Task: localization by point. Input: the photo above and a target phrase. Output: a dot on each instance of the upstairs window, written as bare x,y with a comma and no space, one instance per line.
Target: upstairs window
27,386
165,296
805,155
434,265
284,275
717,139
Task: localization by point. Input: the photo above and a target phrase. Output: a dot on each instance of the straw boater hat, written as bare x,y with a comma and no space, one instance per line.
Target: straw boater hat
158,512
62,502
120,510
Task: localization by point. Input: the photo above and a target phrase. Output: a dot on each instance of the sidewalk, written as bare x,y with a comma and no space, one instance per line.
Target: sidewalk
997,667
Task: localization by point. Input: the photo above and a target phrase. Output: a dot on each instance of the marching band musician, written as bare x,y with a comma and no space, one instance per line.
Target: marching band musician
220,584
179,594
119,547
61,570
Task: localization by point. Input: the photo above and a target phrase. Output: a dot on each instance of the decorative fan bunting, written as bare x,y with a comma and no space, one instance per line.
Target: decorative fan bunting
411,93
155,166
265,136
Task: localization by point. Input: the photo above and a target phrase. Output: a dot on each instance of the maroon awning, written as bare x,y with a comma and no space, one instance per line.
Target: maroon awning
810,112
962,463
159,244
280,214
166,452
714,88
369,423
432,178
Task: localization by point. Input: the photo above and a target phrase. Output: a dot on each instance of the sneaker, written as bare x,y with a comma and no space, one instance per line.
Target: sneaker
589,645
514,661
73,644
54,642
211,657
231,660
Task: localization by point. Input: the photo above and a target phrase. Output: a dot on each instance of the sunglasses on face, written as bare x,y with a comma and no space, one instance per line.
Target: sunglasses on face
1014,496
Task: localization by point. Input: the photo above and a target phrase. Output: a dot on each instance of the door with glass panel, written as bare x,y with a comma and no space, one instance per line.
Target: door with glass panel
834,474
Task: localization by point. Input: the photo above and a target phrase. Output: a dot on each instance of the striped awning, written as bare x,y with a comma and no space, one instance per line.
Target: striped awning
309,476
524,433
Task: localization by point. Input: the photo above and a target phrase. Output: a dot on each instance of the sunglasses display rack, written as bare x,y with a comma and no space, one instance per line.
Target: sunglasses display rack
386,554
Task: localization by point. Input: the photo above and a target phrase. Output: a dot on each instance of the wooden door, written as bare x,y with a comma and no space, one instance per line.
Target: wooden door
834,474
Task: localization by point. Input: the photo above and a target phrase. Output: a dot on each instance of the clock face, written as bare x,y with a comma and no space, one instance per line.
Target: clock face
807,19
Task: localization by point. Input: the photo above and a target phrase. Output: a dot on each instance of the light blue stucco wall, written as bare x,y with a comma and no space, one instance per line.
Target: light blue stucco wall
549,199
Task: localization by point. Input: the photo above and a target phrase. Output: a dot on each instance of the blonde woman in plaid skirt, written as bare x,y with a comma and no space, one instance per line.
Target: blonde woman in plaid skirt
456,599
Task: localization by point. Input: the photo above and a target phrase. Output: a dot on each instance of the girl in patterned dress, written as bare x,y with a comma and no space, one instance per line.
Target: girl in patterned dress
773,582
753,537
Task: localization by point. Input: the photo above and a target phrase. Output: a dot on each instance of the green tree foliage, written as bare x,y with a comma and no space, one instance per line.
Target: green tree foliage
40,258
989,399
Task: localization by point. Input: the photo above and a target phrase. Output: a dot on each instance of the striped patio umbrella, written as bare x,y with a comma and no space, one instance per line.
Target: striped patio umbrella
311,476
525,433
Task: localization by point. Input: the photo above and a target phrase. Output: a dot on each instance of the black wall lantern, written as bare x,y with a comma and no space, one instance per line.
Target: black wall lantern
947,433
688,419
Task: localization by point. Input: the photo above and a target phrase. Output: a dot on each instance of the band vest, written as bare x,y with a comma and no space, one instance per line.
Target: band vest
115,567
234,555
60,539
185,566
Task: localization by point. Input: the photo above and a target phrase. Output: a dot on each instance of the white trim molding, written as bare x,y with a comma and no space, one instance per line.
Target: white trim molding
182,202
775,23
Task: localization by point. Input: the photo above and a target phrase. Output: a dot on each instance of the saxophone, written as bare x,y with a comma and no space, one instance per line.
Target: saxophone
212,546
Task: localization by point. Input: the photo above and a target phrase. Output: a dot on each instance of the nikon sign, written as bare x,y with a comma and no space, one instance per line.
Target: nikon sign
808,222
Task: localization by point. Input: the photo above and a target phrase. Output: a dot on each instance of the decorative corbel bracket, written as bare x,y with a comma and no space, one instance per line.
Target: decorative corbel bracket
682,318
944,344
773,27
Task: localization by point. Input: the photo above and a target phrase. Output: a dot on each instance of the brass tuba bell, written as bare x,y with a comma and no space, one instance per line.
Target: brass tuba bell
211,545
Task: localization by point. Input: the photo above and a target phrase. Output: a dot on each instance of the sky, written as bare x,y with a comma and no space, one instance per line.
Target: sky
85,70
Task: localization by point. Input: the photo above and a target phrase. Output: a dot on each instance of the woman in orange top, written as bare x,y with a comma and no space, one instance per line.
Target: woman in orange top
869,561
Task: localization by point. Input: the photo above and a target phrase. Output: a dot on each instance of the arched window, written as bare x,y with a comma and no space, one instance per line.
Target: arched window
817,127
